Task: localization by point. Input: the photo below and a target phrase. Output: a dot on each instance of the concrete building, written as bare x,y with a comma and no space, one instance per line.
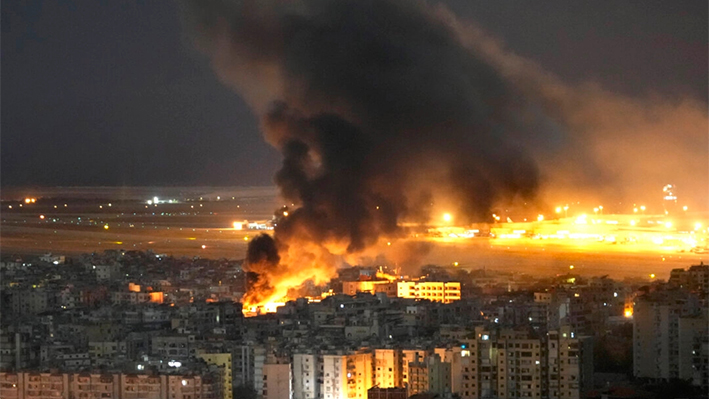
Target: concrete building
417,378
409,356
436,291
431,376
276,381
193,386
106,353
439,376
696,278
371,286
107,272
386,393
569,364
661,343
242,365
29,385
18,351
87,385
511,364
223,361
173,346
332,375
134,298
388,370
306,371
692,354
32,301
137,386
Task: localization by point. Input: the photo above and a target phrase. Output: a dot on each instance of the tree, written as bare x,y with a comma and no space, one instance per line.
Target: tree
244,391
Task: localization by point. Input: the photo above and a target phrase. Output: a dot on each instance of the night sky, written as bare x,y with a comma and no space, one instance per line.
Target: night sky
113,92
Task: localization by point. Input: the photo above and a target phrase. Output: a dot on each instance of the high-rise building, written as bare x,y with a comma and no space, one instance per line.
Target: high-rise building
242,364
511,364
665,328
409,356
568,364
276,381
696,278
339,375
306,369
387,372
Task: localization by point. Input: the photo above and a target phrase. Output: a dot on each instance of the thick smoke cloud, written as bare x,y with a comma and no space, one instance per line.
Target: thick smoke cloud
377,107
388,110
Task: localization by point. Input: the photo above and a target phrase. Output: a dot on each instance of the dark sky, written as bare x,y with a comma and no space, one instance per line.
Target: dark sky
112,93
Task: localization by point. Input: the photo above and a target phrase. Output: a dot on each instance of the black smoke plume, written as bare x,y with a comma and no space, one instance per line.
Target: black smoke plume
379,111
261,258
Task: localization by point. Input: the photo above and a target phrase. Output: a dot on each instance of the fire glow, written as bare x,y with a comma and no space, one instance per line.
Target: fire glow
363,152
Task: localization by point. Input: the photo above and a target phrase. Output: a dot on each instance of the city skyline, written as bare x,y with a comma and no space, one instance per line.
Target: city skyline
354,199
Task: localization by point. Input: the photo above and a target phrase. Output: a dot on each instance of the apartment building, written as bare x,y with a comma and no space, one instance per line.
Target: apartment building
409,356
276,381
339,375
663,332
511,364
695,278
223,361
30,385
173,346
386,393
437,291
430,375
306,373
388,370
371,286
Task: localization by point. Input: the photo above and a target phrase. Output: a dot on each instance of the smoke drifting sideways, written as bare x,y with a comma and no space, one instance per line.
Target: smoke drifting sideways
603,147
387,110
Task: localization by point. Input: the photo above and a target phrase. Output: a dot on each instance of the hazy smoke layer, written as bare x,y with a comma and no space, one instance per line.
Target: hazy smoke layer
603,147
387,110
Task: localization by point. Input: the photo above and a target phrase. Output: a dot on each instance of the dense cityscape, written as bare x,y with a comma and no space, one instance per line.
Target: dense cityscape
354,199
135,324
